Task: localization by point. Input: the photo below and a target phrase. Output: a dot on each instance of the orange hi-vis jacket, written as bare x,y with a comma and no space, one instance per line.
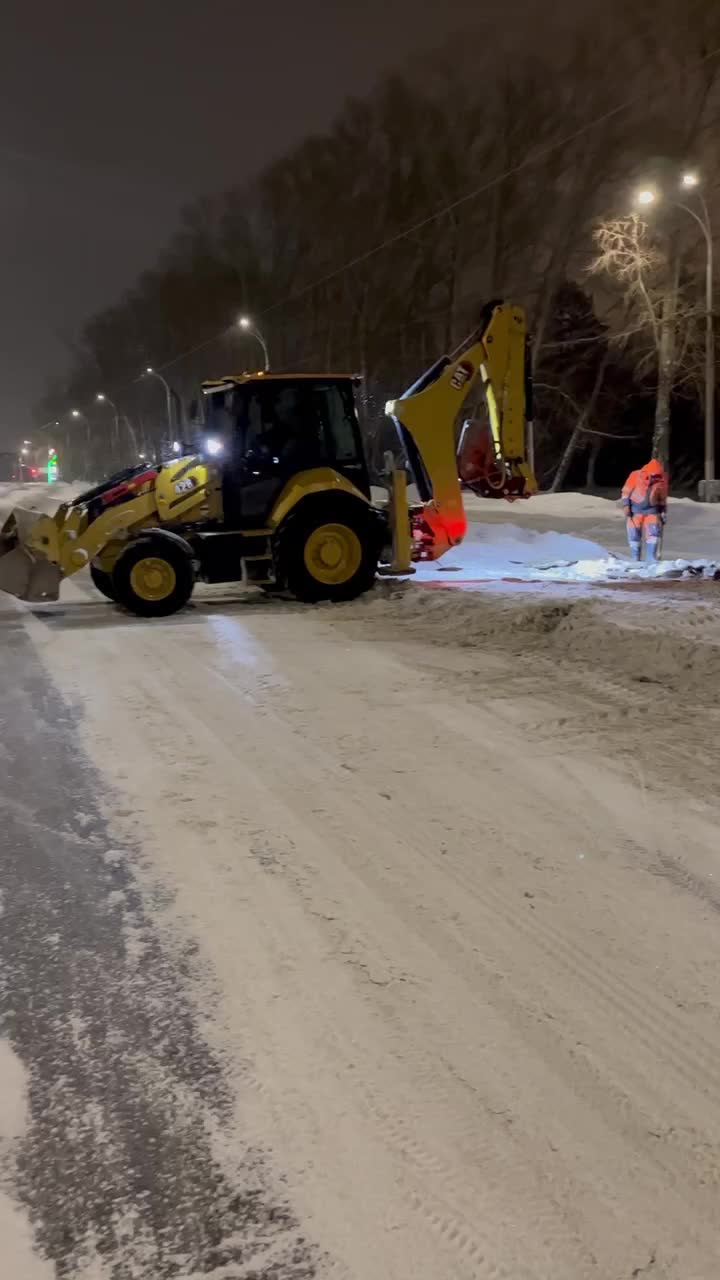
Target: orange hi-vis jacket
645,492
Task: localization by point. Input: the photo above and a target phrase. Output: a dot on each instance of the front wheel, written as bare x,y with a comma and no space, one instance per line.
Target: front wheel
104,583
154,577
327,553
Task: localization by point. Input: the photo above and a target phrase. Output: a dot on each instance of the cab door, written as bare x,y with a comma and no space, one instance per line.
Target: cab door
332,403
275,438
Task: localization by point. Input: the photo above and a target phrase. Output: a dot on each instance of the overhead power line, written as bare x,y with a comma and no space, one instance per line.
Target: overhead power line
532,158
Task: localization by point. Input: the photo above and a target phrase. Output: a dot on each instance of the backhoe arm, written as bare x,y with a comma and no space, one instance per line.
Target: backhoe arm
495,358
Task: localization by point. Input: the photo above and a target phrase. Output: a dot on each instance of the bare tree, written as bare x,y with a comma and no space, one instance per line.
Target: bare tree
373,244
659,319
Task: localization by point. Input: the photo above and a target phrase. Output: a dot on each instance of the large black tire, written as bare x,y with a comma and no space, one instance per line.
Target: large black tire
327,550
153,577
103,581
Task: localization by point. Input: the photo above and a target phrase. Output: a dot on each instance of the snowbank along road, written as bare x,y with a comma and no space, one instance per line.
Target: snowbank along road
367,942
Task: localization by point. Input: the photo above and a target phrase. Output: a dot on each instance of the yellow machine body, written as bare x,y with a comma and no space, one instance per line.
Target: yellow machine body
179,507
313,482
42,550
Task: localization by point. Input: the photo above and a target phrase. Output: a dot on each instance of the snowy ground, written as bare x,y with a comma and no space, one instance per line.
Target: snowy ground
43,497
573,538
18,1255
373,941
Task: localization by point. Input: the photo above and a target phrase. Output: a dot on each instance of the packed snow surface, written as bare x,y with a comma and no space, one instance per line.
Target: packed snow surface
441,869
19,1259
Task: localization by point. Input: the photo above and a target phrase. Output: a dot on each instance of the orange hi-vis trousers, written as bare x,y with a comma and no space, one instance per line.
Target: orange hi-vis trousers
649,524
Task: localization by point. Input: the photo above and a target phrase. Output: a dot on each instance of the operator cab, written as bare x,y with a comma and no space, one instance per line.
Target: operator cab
267,428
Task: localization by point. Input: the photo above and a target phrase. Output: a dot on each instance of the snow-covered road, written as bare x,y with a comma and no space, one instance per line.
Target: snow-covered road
378,941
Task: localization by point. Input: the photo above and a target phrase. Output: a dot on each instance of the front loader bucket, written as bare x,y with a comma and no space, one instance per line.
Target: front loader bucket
27,577
25,572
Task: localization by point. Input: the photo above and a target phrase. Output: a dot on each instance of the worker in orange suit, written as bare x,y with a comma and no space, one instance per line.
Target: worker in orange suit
644,502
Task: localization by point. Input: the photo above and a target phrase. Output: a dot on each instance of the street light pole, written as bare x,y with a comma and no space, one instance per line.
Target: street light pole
77,414
709,367
246,324
704,224
691,182
152,373
103,399
131,432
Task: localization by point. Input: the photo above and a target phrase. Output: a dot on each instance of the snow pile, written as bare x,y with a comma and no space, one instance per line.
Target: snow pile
616,570
505,550
669,642
563,506
37,497
502,551
692,531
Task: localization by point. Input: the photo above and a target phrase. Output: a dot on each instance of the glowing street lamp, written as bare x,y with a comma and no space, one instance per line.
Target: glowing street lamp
646,196
249,326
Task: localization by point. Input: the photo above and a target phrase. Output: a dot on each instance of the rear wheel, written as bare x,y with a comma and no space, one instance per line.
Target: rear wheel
103,581
328,552
153,577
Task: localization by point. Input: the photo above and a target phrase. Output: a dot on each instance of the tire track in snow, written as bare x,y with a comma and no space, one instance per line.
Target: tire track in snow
648,1020
465,1223
349,850
208,717
129,1162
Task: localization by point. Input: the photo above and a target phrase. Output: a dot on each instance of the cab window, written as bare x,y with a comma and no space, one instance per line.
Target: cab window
334,406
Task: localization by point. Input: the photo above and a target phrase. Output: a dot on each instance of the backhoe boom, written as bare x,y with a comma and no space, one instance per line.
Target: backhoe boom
494,358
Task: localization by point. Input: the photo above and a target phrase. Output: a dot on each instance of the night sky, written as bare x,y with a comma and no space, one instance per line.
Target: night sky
114,113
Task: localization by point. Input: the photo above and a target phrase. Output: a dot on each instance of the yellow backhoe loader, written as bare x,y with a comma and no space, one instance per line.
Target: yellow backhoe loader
280,496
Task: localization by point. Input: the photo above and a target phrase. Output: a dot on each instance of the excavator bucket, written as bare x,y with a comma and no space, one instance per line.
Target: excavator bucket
24,571
481,470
